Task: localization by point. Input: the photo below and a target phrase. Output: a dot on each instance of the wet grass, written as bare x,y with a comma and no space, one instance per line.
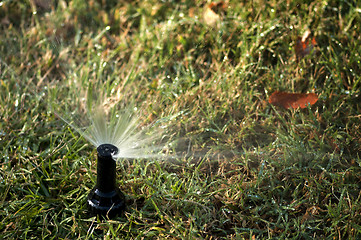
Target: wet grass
253,170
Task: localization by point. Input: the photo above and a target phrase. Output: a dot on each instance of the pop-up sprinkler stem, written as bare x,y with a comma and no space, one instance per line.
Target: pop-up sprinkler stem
106,199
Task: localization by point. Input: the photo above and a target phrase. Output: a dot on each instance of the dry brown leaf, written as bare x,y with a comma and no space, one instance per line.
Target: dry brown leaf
191,13
305,45
218,7
210,17
311,213
211,13
293,100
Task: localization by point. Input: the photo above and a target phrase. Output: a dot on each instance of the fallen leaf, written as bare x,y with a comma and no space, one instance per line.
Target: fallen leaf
293,100
218,7
210,17
310,214
305,45
211,13
191,13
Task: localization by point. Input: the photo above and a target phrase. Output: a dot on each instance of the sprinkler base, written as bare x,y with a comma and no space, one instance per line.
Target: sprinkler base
106,199
107,204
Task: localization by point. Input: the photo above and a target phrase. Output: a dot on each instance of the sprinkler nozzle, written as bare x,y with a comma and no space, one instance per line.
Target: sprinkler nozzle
106,199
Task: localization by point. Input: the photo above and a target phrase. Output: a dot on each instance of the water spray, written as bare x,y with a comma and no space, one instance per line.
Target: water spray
116,133
106,199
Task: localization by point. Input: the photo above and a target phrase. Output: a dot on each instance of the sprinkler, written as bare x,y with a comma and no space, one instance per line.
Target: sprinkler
106,199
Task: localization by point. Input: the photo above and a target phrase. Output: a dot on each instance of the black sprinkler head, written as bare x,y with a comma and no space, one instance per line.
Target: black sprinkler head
106,199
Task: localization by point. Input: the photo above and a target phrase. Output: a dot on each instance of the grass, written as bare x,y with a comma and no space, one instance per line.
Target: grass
256,171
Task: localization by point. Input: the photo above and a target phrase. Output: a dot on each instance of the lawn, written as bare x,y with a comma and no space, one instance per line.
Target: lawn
242,168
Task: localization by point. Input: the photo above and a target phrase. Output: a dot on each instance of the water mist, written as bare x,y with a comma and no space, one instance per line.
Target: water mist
117,135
